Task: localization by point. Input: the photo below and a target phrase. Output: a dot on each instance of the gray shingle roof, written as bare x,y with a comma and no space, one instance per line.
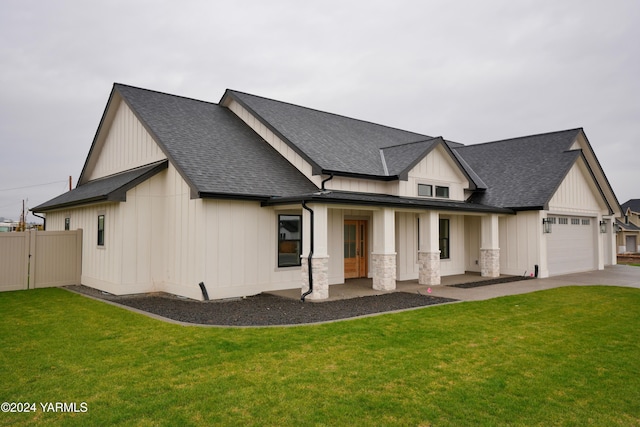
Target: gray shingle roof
633,204
330,142
213,149
110,188
521,173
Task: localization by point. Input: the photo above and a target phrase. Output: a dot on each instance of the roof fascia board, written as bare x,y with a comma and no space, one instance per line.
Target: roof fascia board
107,118
117,195
359,175
327,200
120,194
232,196
614,205
230,95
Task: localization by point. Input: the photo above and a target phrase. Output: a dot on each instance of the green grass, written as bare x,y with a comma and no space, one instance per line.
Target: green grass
568,356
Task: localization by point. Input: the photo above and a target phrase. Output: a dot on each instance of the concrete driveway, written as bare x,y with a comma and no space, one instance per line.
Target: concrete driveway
616,275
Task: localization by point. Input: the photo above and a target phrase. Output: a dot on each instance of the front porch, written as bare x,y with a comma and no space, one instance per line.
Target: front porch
355,288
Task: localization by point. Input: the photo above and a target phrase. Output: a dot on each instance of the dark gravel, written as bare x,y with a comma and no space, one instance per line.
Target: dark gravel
264,309
469,285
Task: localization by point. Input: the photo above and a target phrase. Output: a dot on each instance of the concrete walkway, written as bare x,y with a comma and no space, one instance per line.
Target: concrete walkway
617,275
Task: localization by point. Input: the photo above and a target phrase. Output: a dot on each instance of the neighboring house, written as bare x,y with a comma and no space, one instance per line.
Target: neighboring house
629,227
236,195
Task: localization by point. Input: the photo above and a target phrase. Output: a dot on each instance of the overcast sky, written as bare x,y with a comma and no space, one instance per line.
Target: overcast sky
471,71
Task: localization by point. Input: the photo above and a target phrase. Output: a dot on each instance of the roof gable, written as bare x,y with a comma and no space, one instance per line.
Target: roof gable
214,151
521,173
122,144
579,191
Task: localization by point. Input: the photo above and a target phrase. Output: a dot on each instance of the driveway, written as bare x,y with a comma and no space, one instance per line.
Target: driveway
616,275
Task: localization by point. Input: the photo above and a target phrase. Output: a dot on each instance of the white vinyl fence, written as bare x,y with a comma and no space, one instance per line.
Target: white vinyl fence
39,259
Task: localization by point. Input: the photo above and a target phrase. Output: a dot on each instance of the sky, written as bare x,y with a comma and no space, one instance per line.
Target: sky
470,71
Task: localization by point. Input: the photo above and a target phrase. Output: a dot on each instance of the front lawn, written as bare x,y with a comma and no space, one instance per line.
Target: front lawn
567,356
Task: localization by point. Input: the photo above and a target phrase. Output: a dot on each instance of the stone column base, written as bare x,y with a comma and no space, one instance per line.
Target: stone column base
383,267
490,262
429,268
320,268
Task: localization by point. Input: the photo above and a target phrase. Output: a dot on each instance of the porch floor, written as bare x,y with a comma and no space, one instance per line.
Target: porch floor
354,288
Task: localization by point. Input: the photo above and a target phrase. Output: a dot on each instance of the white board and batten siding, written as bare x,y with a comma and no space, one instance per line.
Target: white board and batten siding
126,146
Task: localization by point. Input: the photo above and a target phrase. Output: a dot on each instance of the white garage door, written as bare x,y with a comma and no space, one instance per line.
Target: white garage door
571,246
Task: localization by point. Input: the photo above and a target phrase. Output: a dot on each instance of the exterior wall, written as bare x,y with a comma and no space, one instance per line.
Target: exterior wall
437,168
126,146
101,265
407,246
362,185
472,243
520,238
577,194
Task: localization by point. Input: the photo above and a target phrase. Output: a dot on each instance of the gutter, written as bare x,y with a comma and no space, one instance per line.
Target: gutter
310,257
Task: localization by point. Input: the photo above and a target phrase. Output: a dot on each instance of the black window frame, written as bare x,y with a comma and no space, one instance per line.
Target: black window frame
440,189
101,228
282,238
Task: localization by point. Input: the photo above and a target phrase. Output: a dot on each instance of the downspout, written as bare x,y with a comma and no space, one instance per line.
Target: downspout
44,220
323,181
310,258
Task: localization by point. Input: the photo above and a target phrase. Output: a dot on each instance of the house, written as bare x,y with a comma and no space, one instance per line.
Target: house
628,225
253,194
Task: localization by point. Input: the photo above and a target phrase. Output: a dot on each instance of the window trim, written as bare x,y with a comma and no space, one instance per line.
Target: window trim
281,240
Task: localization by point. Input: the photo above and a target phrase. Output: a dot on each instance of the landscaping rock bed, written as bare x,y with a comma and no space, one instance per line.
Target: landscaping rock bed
490,282
264,309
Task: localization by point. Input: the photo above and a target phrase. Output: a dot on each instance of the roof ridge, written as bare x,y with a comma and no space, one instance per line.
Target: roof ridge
519,137
327,112
412,142
163,93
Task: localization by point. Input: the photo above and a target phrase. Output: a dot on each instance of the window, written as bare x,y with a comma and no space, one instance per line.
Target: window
425,190
552,219
442,192
444,238
575,221
289,240
586,221
563,221
67,224
100,230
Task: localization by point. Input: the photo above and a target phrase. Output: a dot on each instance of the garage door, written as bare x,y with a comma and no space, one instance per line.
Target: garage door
571,246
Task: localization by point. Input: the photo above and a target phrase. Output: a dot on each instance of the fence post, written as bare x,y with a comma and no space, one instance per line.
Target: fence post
32,259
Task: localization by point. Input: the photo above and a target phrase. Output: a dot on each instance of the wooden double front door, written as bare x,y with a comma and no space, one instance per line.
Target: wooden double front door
355,249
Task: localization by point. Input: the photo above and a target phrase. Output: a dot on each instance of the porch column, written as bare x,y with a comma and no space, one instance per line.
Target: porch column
320,260
489,247
429,253
383,257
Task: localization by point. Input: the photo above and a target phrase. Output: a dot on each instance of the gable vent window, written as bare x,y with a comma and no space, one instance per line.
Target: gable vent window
289,240
425,190
442,192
